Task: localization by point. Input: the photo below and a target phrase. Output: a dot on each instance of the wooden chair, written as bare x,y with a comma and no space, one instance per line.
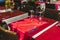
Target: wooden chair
7,35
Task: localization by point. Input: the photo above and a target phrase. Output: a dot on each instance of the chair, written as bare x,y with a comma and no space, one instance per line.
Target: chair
7,35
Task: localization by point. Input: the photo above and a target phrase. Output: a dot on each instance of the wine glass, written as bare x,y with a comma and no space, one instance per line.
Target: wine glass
31,14
42,9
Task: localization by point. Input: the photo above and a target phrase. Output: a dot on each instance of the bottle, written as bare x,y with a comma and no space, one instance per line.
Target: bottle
7,4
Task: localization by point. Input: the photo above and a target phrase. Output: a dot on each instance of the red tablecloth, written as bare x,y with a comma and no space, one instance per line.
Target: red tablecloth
57,5
26,26
51,34
38,2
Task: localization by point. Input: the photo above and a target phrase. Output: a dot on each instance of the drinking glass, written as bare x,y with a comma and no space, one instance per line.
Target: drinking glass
31,14
42,9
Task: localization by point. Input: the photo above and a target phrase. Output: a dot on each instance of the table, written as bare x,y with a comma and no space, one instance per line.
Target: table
6,15
57,5
2,7
25,26
51,34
